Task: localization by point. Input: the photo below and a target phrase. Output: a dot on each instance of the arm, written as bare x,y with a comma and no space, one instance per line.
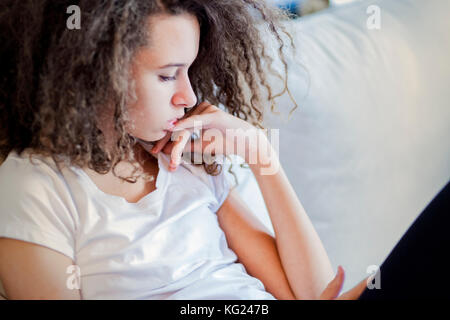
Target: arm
302,254
33,272
255,247
303,257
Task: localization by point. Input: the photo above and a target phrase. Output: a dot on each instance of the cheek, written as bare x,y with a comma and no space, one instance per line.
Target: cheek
143,114
144,88
150,93
144,122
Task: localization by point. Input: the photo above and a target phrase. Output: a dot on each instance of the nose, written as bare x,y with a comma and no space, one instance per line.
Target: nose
184,96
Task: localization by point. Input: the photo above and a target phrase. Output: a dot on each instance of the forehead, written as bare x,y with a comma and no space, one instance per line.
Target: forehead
172,39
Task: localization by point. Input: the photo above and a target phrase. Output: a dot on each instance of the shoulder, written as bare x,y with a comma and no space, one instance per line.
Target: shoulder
35,203
19,171
35,184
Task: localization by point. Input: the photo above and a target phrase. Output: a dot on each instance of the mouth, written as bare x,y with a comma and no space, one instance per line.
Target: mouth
172,123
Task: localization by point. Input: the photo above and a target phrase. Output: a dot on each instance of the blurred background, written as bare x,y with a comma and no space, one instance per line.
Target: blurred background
304,7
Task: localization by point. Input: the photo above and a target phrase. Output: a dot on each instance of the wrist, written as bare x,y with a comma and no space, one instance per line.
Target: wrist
261,155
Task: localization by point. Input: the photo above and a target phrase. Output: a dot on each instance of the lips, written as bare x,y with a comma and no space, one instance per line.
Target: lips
172,123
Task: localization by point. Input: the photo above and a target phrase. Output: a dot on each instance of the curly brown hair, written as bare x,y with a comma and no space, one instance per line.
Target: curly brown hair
55,81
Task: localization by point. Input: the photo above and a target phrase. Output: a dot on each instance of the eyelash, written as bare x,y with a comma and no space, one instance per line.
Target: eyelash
167,78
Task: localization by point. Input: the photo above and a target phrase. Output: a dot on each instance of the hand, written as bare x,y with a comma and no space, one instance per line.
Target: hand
212,122
334,287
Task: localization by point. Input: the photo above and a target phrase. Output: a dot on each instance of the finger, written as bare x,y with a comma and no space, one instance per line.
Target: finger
192,146
166,141
197,109
334,287
167,149
161,143
355,292
198,121
178,147
195,151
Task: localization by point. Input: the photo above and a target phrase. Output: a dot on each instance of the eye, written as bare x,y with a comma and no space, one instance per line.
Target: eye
163,78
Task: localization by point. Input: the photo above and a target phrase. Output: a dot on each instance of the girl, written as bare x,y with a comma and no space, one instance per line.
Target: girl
89,211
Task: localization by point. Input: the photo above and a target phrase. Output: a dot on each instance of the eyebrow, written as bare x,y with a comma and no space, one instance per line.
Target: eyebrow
173,65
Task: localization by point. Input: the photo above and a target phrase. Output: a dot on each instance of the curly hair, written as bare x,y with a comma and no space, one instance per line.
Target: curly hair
55,81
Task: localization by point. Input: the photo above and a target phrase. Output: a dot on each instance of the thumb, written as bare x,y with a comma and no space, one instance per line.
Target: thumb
334,287
198,121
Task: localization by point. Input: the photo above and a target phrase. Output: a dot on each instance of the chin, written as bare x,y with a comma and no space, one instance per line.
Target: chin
155,137
164,133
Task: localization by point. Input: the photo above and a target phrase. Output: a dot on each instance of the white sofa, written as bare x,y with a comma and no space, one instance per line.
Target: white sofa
368,147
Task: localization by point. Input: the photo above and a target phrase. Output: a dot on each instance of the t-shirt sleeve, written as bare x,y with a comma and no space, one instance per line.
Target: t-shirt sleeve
34,206
222,185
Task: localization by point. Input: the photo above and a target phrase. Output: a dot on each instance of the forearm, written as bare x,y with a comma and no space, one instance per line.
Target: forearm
302,254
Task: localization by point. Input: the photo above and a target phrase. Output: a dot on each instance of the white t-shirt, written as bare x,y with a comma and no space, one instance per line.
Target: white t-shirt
168,245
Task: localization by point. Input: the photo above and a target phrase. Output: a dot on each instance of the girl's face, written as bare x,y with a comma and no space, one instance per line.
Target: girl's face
160,72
